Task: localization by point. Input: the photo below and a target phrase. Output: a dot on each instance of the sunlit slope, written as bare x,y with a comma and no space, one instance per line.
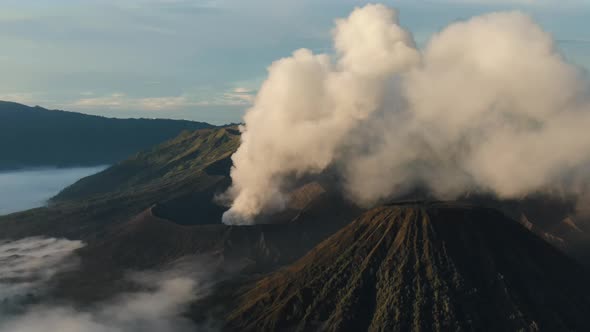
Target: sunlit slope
175,161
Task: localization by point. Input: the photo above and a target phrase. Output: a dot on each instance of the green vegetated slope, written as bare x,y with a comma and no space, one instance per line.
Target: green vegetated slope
416,267
176,161
37,137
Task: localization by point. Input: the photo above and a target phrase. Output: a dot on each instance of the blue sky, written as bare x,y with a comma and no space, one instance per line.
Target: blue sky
203,59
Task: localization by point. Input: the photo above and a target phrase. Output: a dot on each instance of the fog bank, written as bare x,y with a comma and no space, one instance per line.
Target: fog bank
27,189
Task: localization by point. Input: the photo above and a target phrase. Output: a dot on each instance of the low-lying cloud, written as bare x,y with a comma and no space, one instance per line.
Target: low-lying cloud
164,296
26,189
158,310
27,264
488,105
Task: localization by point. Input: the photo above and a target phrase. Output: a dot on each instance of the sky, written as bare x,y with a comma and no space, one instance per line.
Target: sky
204,59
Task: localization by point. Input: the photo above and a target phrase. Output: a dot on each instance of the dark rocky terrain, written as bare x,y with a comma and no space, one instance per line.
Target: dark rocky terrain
422,266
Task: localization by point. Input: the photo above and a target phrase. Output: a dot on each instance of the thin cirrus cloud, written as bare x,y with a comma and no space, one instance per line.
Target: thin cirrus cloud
239,96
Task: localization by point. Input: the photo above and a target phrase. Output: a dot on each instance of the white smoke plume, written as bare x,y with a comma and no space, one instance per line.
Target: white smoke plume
488,105
492,107
308,106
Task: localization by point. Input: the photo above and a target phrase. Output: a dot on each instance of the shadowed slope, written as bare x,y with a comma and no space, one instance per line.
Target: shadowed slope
148,242
552,216
421,267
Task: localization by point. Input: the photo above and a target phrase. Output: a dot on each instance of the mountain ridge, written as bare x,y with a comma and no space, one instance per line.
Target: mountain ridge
38,137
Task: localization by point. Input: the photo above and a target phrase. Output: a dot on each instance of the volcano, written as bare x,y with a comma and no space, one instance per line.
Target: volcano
422,266
323,263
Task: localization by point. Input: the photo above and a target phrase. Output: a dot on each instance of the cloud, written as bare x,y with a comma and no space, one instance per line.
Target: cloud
121,101
489,105
27,189
23,98
28,263
159,307
157,310
239,96
492,107
149,311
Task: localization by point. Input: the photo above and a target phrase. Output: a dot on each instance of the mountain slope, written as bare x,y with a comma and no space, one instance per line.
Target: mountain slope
553,217
422,267
35,137
181,187
147,241
174,161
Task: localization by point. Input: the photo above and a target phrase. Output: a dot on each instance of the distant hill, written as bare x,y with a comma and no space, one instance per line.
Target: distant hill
38,137
422,267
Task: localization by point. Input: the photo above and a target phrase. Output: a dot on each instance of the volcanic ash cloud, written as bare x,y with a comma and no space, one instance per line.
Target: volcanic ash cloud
488,105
